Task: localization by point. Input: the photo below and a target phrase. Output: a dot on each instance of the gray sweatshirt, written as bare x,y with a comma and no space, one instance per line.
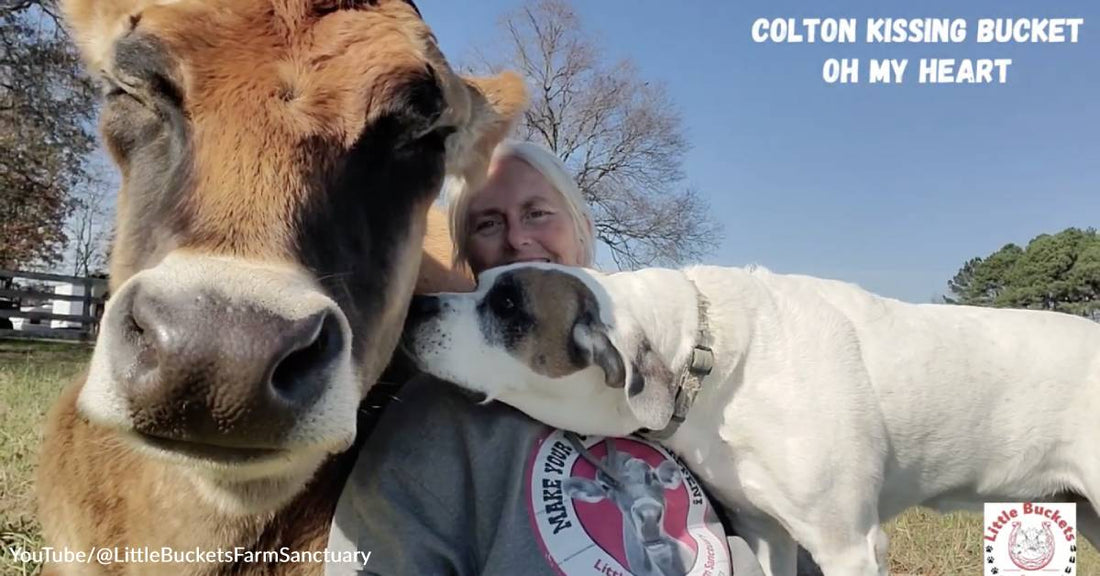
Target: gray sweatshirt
447,486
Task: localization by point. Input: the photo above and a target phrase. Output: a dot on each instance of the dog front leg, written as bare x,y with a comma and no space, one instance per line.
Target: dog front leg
773,546
858,556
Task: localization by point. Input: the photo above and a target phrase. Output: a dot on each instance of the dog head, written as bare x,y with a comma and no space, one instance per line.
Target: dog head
564,345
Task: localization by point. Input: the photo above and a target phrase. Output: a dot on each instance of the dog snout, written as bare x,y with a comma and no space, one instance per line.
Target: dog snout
199,367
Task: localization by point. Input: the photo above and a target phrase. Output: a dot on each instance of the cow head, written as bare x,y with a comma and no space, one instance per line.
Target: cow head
278,161
639,492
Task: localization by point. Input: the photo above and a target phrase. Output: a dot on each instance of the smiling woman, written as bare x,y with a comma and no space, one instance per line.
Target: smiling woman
523,213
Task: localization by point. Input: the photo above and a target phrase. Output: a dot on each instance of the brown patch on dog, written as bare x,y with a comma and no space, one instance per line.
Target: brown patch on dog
555,302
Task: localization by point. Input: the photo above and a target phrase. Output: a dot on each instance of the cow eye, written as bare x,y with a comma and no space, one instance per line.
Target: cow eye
434,140
421,106
115,91
444,131
142,71
129,120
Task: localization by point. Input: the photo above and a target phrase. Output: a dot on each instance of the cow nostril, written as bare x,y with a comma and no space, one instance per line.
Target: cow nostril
145,350
141,331
134,328
299,376
649,513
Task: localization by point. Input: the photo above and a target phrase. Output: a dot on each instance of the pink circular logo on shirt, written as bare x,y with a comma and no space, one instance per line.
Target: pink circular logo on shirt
642,514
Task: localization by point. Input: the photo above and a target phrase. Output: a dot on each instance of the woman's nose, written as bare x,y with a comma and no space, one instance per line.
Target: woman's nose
518,237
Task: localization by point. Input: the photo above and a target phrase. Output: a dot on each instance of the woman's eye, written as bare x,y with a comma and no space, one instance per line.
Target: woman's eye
485,225
538,213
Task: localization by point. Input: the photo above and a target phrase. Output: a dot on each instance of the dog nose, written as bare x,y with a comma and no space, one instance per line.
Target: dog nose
201,368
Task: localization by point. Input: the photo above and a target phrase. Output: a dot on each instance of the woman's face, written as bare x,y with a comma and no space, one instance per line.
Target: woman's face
519,217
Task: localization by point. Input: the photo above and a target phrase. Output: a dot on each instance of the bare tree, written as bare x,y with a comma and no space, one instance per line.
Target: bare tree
619,134
47,109
88,229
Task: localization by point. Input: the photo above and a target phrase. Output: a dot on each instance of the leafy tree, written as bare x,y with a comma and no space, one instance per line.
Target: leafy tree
47,108
1054,272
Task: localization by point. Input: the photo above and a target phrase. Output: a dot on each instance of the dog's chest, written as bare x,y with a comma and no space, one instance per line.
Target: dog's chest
713,463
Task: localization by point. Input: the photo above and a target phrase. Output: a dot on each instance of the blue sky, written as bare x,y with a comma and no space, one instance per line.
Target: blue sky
889,186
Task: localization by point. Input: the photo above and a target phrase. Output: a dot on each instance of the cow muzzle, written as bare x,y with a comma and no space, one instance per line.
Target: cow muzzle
649,517
224,361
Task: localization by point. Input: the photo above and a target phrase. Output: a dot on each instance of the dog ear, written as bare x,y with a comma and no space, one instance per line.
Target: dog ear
649,383
649,390
590,345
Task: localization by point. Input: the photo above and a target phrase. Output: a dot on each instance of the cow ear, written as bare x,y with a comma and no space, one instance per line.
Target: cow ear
584,489
494,104
668,474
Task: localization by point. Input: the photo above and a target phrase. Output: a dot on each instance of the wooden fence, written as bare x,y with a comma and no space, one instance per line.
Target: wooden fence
43,323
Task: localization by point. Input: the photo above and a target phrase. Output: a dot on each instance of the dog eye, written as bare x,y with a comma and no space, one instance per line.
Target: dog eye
504,302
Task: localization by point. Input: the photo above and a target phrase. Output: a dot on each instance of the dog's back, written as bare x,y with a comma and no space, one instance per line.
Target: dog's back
961,387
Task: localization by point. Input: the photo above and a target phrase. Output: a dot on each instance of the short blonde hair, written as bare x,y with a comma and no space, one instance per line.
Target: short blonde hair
554,171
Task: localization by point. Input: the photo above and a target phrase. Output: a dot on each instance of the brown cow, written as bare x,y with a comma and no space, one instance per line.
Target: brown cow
278,159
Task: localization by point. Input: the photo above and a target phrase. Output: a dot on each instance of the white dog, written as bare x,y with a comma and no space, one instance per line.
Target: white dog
827,411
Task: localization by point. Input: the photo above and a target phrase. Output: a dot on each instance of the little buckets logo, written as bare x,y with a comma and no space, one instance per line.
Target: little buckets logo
1030,538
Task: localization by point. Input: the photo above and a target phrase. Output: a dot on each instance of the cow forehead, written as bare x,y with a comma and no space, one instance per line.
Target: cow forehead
275,93
98,23
318,74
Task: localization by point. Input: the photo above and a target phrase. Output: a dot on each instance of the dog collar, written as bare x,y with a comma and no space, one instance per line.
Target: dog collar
691,378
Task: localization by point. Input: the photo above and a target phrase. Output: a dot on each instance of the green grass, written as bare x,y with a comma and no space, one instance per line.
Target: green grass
32,375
